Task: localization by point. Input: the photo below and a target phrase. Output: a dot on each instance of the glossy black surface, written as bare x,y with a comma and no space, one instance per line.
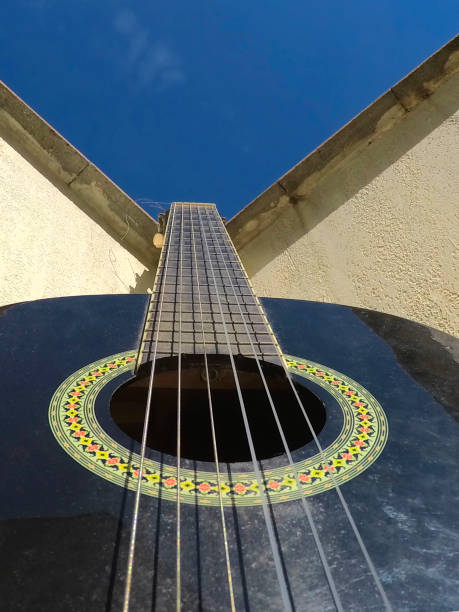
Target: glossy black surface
64,530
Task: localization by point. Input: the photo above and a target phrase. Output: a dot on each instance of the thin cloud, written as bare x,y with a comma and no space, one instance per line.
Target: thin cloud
137,48
160,64
151,63
125,21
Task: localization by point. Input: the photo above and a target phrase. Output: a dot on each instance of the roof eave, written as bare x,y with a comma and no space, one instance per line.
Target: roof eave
95,193
378,117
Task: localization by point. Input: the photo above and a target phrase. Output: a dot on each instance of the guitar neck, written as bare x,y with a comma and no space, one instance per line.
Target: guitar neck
202,300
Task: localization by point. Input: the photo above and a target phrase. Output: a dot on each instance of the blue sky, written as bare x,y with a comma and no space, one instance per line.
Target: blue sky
209,100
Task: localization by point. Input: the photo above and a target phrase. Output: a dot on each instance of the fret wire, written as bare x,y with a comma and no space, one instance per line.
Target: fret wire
229,276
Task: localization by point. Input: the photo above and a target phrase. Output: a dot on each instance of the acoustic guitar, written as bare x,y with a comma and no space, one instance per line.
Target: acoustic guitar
200,449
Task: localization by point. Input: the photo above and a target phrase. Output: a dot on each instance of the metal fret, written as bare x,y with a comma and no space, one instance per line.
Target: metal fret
208,247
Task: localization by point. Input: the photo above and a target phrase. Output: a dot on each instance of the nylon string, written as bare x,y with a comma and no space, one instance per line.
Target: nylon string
211,414
305,503
179,424
132,541
268,520
343,502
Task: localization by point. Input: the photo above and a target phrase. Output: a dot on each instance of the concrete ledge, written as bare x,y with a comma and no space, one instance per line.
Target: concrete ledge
376,119
110,207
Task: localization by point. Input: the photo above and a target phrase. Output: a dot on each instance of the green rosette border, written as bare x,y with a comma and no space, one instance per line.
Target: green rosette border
361,440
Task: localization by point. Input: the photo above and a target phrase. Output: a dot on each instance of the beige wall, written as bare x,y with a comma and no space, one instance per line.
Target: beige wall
379,231
49,246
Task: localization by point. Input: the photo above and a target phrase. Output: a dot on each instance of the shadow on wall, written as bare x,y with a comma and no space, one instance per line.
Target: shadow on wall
97,216
345,180
143,282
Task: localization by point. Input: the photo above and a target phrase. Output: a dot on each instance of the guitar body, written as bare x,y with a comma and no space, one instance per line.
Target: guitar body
67,505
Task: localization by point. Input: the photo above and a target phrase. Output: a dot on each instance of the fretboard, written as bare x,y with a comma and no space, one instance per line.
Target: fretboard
201,286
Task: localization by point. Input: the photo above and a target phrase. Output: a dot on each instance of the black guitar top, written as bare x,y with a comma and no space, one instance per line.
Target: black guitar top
68,471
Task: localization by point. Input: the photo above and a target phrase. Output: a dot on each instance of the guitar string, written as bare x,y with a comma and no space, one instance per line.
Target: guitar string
341,498
134,525
132,542
343,502
268,520
211,414
305,503
179,424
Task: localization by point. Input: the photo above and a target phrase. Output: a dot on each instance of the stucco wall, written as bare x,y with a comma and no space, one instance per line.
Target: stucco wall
50,247
379,231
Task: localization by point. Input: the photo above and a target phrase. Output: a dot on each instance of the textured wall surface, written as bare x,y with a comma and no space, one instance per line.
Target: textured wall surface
49,246
381,230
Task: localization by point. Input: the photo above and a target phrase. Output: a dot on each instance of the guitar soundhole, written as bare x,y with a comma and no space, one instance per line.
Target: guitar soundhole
129,402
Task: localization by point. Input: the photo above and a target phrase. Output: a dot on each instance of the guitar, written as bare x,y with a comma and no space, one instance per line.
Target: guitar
161,452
